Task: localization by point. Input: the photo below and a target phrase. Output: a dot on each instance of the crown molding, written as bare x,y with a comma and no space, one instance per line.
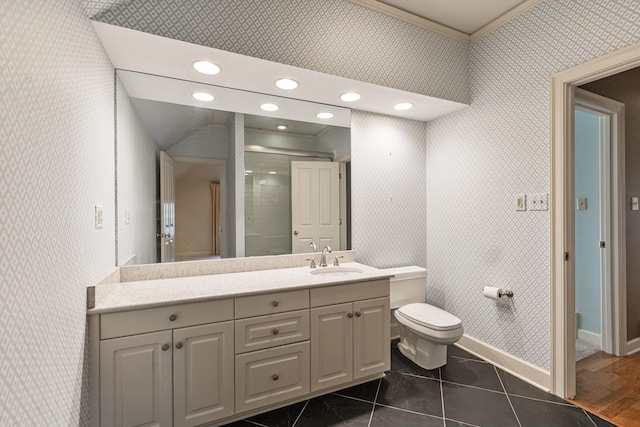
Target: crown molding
427,24
410,18
504,18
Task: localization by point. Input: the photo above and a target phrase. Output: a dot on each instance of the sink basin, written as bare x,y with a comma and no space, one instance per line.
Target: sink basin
336,271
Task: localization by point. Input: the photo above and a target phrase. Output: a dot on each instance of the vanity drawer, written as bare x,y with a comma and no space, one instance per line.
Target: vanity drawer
338,294
270,376
257,333
276,302
134,322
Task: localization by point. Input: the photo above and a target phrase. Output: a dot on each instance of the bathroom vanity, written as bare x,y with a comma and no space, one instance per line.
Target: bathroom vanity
208,350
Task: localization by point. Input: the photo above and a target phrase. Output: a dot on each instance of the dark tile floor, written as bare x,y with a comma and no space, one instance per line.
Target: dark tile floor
465,392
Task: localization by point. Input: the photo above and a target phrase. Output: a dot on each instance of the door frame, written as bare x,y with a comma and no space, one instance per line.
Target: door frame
612,201
563,85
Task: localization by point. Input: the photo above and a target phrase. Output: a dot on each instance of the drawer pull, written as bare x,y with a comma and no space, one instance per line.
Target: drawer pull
275,377
349,315
275,332
275,303
165,347
173,317
179,345
358,314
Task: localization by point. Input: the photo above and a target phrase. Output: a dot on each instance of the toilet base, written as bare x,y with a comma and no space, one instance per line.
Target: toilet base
424,353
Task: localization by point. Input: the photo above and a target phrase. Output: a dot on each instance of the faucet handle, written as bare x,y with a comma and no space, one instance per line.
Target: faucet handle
313,262
336,263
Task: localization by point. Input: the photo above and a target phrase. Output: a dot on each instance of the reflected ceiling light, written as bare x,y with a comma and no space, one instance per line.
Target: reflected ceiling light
203,96
350,96
282,127
287,84
206,67
403,106
324,115
269,107
272,173
248,171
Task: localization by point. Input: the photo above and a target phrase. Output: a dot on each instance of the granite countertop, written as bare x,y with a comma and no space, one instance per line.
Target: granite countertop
153,293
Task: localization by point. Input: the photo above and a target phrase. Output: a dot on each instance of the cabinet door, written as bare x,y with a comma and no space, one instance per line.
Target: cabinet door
332,346
203,373
135,381
371,347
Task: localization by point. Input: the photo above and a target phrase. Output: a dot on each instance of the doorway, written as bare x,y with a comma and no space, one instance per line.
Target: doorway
563,253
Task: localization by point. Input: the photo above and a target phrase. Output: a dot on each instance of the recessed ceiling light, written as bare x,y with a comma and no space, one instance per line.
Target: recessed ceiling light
269,107
272,173
286,84
324,115
203,96
403,106
350,96
282,127
206,67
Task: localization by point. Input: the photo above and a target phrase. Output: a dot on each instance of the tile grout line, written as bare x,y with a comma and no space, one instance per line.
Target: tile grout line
407,410
507,394
300,414
444,420
542,400
373,406
353,398
589,416
255,423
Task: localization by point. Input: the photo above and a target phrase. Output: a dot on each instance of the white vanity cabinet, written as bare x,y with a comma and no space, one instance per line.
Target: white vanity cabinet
173,377
218,361
349,333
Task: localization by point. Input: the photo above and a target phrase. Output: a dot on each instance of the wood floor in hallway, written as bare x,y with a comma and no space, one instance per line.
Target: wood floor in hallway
609,386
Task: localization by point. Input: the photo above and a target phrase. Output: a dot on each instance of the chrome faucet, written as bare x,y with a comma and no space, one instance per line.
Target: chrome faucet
313,246
323,257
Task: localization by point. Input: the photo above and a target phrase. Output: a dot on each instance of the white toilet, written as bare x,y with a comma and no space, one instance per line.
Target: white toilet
425,330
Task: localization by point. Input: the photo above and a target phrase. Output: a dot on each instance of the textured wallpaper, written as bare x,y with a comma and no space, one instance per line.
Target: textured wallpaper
206,143
136,184
56,164
478,159
330,36
388,190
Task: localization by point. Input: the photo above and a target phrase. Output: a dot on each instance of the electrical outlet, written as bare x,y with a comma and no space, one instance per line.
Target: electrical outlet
521,202
581,204
99,217
538,202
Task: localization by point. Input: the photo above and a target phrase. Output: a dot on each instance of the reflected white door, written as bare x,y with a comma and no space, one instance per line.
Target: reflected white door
167,209
315,205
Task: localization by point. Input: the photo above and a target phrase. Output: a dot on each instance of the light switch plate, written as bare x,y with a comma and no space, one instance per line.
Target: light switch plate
521,202
127,216
99,217
581,204
538,202
634,203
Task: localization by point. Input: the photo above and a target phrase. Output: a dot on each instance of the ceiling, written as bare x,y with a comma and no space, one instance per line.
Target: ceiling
466,16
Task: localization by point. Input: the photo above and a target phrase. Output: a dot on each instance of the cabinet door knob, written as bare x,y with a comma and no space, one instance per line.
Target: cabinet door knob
275,377
165,347
358,314
275,303
349,315
275,332
173,317
179,345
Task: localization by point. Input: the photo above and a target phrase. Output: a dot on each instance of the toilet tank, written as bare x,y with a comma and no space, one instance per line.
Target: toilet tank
409,285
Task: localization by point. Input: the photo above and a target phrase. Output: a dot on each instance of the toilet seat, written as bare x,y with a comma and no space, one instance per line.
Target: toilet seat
431,317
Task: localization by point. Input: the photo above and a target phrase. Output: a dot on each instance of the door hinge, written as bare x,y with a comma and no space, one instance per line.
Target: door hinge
602,244
339,176
566,256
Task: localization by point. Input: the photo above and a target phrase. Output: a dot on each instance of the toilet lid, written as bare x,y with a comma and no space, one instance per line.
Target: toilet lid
430,316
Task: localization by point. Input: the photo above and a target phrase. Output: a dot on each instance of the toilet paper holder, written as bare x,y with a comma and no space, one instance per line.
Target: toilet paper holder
496,293
505,293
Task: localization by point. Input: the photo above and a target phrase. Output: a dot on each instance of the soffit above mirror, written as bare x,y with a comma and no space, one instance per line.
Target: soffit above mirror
146,53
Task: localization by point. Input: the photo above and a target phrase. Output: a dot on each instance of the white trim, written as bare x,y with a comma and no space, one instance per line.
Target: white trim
193,254
410,18
633,346
503,19
590,337
520,368
562,281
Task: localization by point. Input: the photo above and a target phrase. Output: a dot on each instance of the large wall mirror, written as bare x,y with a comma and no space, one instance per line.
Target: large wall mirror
203,180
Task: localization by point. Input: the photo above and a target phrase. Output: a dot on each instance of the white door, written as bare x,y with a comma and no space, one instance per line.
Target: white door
167,209
315,205
135,381
202,380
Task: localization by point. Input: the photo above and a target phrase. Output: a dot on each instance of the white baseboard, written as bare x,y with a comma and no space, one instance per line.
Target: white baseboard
633,346
522,369
590,337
